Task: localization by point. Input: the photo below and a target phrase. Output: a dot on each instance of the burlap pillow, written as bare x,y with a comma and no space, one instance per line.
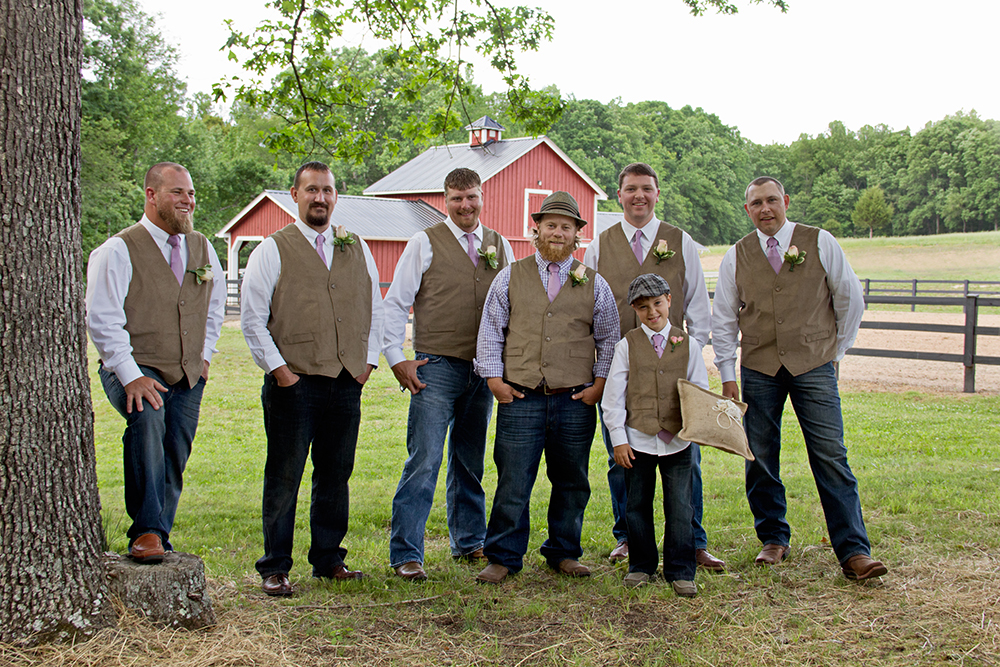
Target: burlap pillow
709,419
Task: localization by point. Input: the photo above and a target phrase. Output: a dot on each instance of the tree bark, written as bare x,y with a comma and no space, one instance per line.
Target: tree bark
171,594
52,579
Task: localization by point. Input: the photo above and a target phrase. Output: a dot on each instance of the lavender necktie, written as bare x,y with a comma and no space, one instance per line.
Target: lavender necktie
659,342
637,245
772,254
320,242
554,285
175,257
473,255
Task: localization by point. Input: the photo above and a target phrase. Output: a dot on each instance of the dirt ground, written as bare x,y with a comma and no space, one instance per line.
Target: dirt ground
858,373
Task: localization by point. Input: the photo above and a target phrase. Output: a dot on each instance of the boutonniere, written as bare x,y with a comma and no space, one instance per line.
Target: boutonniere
662,252
579,277
490,255
343,238
202,274
675,341
794,257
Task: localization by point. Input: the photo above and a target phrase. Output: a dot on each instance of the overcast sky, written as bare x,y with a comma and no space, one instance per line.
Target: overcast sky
773,76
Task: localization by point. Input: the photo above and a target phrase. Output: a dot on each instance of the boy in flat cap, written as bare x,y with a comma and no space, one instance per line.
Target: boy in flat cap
643,413
545,344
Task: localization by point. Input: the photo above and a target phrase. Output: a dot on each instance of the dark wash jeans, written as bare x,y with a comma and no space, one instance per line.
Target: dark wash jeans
678,531
156,447
816,401
562,429
323,412
455,401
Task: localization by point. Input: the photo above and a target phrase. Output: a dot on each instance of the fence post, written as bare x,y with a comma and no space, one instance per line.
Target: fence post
868,291
965,289
913,306
971,316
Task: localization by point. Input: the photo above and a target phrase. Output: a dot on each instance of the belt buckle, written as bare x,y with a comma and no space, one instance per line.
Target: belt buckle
546,388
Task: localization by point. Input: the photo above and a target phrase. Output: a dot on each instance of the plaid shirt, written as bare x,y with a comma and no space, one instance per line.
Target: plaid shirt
496,316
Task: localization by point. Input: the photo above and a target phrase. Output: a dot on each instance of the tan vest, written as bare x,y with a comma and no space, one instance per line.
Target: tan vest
449,304
546,341
787,319
617,265
320,319
652,401
165,321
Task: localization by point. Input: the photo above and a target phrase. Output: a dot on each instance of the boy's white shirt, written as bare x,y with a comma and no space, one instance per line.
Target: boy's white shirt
613,403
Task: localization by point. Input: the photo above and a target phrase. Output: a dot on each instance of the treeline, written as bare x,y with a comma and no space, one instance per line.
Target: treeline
943,178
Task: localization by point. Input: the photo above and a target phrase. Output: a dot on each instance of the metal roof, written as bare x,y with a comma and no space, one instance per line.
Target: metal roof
369,217
485,123
605,219
426,172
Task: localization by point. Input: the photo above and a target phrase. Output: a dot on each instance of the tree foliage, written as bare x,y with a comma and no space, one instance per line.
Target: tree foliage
321,95
872,212
699,7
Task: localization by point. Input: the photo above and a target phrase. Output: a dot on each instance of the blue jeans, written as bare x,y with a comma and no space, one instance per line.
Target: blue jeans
678,529
562,429
616,482
156,447
816,401
455,398
326,413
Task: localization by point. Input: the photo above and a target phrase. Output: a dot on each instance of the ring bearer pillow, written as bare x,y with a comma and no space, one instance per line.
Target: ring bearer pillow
713,420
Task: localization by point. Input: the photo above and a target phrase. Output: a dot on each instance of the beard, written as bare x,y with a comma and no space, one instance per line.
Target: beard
551,253
317,216
179,223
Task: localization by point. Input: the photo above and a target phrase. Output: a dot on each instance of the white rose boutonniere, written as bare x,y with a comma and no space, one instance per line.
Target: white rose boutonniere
202,274
579,277
662,252
343,238
490,255
794,257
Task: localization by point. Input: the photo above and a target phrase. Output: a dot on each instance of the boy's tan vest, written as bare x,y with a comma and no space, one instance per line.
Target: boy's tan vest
165,321
617,265
787,319
546,341
652,402
449,303
320,319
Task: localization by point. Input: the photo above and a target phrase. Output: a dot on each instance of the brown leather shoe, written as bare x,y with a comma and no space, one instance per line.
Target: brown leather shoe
708,561
619,553
476,556
340,573
492,574
147,548
772,554
412,571
277,585
573,568
861,567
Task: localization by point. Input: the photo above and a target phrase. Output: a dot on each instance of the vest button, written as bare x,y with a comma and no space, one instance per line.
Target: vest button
338,319
777,289
477,279
782,353
342,353
660,372
545,364
547,339
780,321
184,363
185,333
333,287
182,303
548,314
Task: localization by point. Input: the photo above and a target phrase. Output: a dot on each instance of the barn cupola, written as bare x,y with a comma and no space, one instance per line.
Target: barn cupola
484,131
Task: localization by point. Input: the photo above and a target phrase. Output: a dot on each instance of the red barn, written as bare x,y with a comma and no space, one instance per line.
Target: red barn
517,175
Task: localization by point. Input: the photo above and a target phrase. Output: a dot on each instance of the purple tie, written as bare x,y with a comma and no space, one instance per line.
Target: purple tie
175,257
553,281
637,245
659,342
473,255
320,242
772,254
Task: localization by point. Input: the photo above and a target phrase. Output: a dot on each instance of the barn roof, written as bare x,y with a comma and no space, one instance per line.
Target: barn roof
485,123
368,217
425,173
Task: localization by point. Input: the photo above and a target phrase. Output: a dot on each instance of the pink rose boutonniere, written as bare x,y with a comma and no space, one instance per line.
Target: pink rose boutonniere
661,251
675,341
490,255
343,238
794,257
579,277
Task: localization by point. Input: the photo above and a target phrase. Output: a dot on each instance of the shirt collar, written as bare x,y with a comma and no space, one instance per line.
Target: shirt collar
460,233
648,231
159,236
784,236
310,233
650,333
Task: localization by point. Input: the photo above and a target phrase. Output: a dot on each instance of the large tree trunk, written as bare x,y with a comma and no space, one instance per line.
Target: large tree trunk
52,579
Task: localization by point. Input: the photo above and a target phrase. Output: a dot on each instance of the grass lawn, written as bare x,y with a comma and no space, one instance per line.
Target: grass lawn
929,470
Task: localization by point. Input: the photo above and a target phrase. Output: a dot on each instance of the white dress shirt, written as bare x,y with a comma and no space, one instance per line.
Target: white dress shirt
613,402
697,308
259,280
109,273
410,270
848,297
